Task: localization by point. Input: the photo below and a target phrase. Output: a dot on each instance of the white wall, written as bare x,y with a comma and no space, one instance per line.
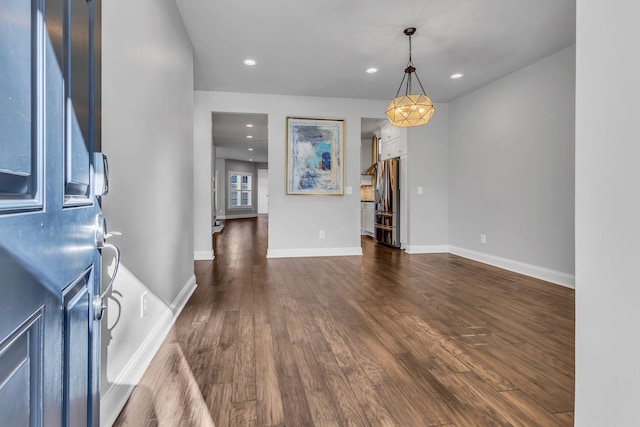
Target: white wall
607,214
147,124
294,221
427,164
511,170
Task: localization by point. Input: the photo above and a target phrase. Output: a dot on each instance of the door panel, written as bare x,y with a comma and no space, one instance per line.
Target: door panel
21,374
16,41
20,56
49,262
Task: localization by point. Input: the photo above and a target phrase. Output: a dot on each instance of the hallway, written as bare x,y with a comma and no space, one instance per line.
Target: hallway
379,340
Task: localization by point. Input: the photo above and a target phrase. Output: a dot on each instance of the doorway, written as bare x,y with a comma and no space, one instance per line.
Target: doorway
240,166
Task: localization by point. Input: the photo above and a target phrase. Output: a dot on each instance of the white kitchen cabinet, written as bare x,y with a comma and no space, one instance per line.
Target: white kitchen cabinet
394,141
369,213
367,218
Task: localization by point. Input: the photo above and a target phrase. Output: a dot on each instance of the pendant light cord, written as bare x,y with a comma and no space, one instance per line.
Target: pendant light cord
407,72
410,64
410,61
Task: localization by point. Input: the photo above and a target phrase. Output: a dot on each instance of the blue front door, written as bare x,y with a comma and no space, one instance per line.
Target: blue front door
49,262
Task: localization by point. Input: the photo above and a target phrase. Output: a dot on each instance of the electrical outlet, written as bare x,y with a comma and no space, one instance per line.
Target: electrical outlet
483,238
321,234
420,190
143,304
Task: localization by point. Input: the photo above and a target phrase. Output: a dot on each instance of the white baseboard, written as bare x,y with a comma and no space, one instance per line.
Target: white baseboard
426,249
313,252
553,276
203,255
112,402
242,215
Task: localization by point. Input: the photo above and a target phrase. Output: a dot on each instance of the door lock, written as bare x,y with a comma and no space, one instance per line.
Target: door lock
101,174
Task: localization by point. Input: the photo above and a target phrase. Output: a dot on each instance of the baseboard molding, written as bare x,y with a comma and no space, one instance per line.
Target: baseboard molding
313,252
553,276
203,255
428,249
241,216
183,297
112,402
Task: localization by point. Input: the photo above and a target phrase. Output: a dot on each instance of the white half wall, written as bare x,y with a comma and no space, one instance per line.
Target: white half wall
294,221
511,166
147,134
607,214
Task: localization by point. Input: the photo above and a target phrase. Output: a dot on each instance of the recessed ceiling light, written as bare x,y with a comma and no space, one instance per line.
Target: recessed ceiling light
249,125
251,160
372,70
250,62
456,75
250,149
249,136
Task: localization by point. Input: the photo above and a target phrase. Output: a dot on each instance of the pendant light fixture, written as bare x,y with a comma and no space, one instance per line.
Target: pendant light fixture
410,109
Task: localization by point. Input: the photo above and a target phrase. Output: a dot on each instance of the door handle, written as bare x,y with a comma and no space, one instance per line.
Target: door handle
102,235
99,304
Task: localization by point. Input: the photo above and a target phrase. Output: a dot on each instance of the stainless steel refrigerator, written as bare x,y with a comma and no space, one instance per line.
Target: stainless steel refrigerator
387,198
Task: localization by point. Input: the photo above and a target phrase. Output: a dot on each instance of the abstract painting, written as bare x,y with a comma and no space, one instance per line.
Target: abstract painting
315,156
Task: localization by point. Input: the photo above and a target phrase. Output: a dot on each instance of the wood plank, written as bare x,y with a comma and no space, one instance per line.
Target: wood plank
244,370
294,403
219,401
343,396
368,397
566,418
318,395
398,406
243,414
269,403
368,363
535,412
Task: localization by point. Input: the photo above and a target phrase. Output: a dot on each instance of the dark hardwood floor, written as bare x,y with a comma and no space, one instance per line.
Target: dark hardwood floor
386,339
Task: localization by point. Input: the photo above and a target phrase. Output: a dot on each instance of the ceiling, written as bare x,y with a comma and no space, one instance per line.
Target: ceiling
323,48
230,133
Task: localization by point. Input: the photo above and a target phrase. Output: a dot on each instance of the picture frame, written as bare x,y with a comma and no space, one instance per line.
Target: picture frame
315,156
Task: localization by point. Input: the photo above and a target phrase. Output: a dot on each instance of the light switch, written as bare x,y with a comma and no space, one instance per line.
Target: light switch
420,190
348,190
